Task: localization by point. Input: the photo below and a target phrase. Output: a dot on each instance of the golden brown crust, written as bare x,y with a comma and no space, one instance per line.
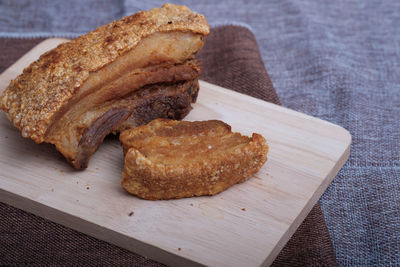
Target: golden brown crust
168,159
33,98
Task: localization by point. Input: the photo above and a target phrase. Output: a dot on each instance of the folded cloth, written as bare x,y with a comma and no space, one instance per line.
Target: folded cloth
230,59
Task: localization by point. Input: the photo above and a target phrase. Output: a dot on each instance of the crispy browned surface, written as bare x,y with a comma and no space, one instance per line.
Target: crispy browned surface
35,97
168,159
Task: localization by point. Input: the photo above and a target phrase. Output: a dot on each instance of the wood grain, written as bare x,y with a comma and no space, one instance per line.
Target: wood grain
247,225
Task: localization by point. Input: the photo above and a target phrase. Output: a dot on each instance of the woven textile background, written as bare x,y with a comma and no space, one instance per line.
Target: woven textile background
336,60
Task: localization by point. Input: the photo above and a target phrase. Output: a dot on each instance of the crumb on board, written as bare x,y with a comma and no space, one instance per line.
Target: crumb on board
131,213
97,168
52,190
179,249
244,209
87,187
191,204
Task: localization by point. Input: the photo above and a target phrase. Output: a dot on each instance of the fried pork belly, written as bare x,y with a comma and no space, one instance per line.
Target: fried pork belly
77,93
168,159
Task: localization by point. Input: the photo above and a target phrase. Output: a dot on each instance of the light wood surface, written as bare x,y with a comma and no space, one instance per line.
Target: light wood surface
247,225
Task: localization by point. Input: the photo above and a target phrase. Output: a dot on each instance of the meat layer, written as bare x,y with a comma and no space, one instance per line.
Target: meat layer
164,100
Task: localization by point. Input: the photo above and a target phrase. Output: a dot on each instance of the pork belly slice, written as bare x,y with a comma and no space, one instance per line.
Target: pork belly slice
71,96
168,159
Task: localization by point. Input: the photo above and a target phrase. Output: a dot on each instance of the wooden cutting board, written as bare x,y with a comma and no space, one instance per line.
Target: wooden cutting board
247,225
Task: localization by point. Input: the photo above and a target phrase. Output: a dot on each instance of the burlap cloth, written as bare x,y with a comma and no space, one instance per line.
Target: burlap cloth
230,59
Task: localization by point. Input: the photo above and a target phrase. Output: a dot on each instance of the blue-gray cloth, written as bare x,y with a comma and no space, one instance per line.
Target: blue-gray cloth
336,60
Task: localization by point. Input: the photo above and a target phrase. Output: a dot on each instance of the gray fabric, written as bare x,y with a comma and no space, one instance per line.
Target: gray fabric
38,18
336,60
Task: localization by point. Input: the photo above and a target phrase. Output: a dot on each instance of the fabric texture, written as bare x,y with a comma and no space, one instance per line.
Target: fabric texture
336,60
40,18
230,59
